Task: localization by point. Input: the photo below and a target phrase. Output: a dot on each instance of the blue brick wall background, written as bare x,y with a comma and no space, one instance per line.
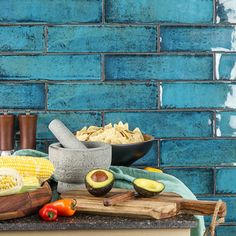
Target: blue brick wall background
166,66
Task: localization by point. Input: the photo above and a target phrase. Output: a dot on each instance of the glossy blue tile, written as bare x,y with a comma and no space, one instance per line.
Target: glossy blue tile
196,95
226,124
102,96
231,206
224,183
150,159
198,180
197,152
229,230
204,38
166,124
102,39
53,11
158,67
22,96
182,11
21,38
225,66
41,145
73,120
56,67
226,12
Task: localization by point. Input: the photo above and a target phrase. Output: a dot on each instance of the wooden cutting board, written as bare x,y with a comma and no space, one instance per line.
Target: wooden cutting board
19,205
164,205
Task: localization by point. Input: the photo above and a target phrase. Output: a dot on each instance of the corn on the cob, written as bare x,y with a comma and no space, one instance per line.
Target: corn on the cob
30,183
10,181
29,166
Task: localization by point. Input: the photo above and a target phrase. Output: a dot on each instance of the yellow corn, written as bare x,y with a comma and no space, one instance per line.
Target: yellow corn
10,181
30,181
28,166
7,182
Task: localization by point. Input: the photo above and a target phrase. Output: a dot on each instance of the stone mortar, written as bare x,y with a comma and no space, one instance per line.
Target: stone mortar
71,165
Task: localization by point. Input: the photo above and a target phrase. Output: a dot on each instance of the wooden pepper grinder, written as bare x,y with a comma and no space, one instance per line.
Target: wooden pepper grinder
6,134
28,126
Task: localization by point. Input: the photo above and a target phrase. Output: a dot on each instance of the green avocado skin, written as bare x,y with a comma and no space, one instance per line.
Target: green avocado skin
144,192
98,192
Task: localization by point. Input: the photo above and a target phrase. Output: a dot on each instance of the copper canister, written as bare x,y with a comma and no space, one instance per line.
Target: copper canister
28,126
6,132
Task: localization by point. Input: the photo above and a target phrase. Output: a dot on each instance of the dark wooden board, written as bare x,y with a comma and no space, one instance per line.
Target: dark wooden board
19,205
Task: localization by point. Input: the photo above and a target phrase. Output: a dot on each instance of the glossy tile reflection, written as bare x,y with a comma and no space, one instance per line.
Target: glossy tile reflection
204,38
226,11
225,67
226,124
195,95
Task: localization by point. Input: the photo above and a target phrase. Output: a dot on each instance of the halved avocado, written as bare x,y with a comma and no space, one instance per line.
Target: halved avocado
99,182
148,187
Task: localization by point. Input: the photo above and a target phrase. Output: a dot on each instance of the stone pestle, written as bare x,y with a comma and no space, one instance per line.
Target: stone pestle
66,138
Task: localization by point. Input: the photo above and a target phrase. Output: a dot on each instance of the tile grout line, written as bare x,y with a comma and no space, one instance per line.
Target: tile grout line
159,95
118,24
158,38
158,153
102,67
214,12
214,66
45,40
118,82
214,125
103,12
102,116
46,97
161,53
214,181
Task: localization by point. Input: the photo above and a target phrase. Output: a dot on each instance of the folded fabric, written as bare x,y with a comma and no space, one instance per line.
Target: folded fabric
124,176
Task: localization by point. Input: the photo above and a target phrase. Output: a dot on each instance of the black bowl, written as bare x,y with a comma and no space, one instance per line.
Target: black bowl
126,154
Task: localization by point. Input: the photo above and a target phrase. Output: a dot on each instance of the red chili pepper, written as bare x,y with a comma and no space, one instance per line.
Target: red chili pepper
48,212
65,207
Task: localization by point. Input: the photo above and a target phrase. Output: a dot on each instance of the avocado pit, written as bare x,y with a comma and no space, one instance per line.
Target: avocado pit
99,176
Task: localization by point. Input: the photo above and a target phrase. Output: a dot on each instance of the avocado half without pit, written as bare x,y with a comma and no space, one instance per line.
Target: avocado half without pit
99,182
148,187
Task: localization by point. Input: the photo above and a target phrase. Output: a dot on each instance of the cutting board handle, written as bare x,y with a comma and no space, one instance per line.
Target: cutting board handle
196,207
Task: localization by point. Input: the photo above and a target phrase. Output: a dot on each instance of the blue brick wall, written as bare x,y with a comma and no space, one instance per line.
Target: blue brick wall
166,66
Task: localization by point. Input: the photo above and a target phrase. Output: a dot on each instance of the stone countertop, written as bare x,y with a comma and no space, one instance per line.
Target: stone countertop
85,222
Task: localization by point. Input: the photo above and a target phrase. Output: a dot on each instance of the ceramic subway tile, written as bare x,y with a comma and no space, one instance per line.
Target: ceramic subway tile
224,183
158,67
226,124
102,39
102,96
225,68
197,95
226,11
22,96
21,38
51,67
199,180
153,11
197,152
201,38
73,120
56,11
166,124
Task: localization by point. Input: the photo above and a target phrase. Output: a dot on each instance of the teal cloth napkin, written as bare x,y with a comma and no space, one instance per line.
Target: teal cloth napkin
124,176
